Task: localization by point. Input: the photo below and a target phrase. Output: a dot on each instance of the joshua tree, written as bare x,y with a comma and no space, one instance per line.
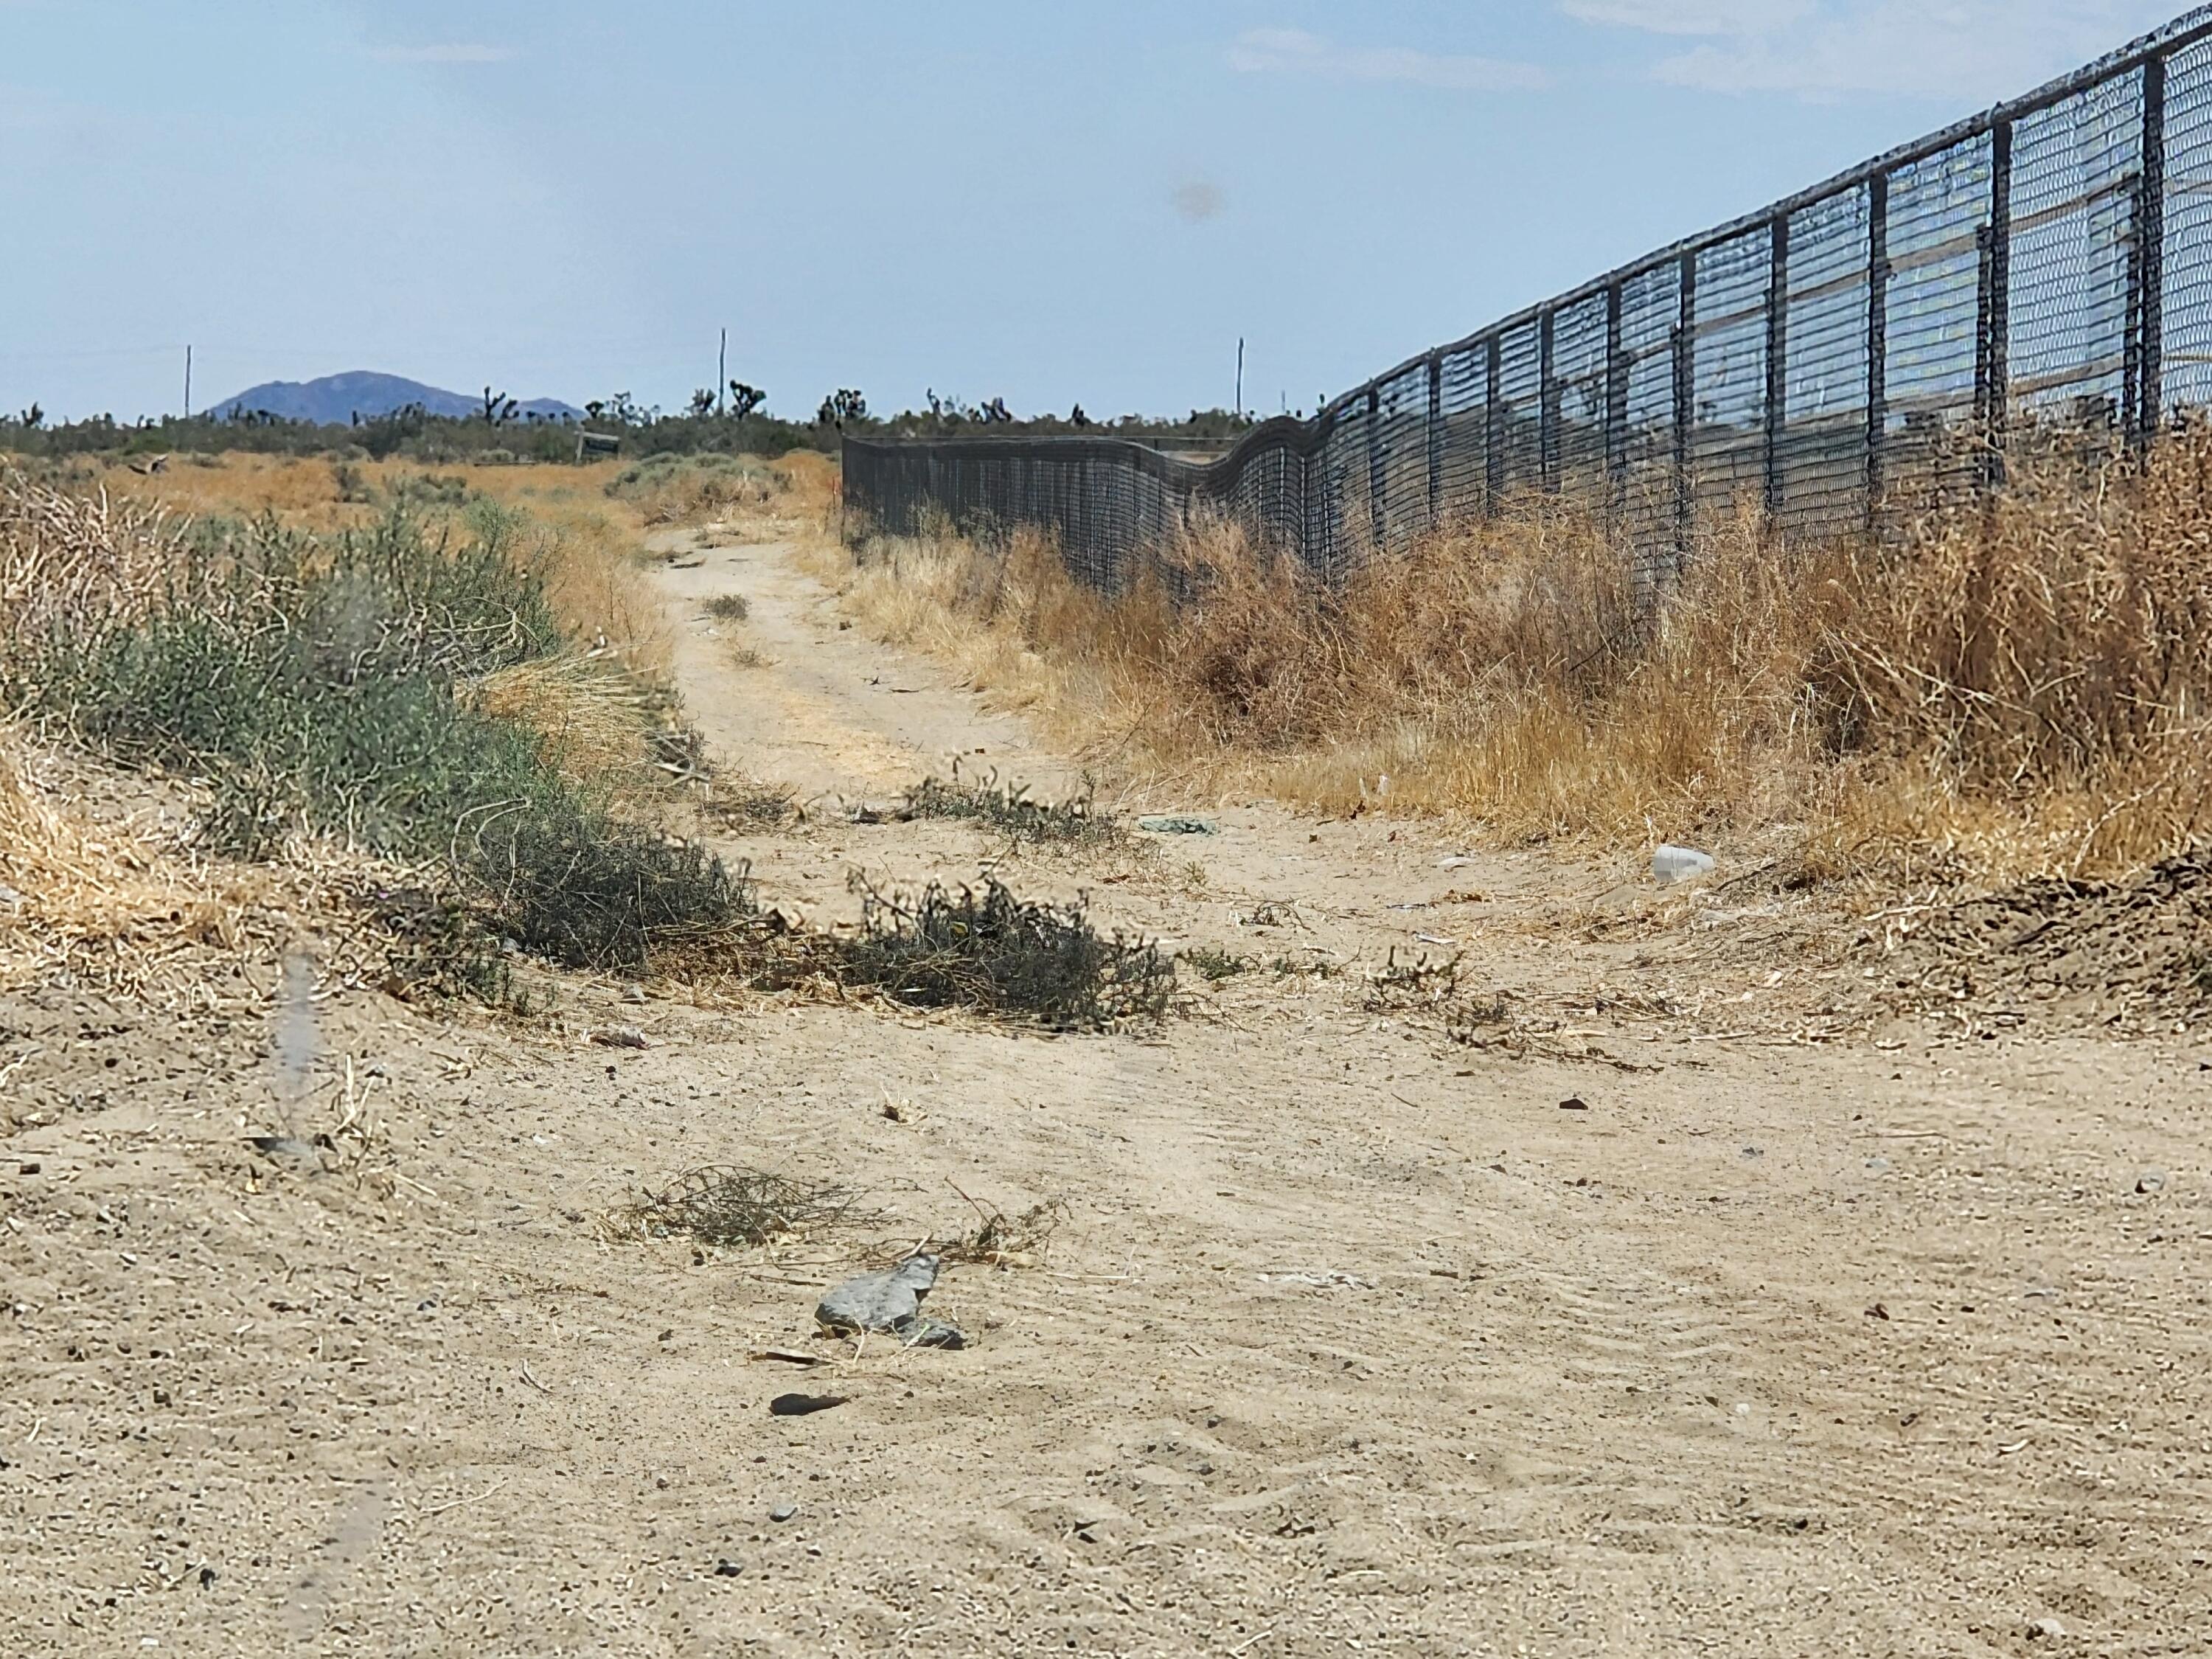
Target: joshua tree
743,399
842,405
498,408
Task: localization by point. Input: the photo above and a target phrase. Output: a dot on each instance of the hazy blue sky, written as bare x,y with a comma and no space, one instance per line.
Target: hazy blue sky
1046,201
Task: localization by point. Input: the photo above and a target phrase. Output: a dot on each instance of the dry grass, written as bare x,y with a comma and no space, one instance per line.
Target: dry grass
65,558
79,895
2009,692
572,532
599,724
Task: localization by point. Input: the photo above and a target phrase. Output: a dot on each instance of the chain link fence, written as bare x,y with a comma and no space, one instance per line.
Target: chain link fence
1885,338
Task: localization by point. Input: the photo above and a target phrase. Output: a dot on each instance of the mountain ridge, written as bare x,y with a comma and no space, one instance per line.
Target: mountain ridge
364,394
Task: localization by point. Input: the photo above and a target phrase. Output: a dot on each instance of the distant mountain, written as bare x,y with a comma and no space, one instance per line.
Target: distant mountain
336,399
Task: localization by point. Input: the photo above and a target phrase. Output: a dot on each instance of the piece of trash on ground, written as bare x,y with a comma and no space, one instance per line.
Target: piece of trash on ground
1671,864
1175,824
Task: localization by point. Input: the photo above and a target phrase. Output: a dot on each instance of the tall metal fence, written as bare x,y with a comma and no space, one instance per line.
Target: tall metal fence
1886,337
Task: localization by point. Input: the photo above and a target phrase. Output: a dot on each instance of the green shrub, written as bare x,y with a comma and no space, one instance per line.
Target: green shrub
313,683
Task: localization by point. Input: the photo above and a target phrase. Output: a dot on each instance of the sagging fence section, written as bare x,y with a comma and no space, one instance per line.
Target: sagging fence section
1886,338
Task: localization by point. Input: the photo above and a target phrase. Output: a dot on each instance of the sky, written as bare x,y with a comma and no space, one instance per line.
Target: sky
1042,200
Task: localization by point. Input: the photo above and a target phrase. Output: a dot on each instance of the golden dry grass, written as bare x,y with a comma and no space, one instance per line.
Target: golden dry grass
2010,692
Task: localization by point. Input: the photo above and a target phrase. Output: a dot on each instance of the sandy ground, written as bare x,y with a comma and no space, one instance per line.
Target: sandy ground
1817,1331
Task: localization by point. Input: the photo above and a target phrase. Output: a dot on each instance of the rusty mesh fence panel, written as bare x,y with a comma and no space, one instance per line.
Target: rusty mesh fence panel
1888,340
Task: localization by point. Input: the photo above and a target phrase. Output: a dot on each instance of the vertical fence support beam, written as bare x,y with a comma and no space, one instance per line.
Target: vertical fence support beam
1616,403
1548,404
1378,510
1993,329
2145,380
1686,405
1494,420
1877,338
1778,358
1436,440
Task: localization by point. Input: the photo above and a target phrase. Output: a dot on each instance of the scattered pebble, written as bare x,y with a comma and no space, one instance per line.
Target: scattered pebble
782,1511
1574,1103
2151,1180
727,1568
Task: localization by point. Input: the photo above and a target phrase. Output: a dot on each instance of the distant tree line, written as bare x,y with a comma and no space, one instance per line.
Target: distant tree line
728,423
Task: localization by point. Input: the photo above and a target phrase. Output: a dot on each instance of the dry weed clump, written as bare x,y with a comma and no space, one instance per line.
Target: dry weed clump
1008,809
67,560
734,1207
94,900
2015,687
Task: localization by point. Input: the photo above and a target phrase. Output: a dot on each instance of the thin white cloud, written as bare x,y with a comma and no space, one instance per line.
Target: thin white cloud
448,51
1294,51
1978,51
1692,16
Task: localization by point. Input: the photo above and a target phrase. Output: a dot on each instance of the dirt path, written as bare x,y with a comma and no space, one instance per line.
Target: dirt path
1353,1339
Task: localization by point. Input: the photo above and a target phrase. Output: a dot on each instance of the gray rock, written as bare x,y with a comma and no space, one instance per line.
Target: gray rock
782,1511
2046,1629
1172,823
879,1302
2151,1180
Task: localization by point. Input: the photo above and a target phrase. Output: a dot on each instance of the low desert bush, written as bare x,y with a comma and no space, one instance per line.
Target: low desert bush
989,951
384,688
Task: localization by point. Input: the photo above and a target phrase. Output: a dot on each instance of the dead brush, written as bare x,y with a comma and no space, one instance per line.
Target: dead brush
1007,809
988,952
749,804
70,563
730,607
733,1205
1419,984
1001,1240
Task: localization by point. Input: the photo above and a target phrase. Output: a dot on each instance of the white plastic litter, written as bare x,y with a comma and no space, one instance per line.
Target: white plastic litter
1671,864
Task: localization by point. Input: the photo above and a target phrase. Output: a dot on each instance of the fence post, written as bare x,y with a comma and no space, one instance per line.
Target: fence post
1547,404
1777,356
1685,404
2144,379
1616,403
1378,511
1493,443
1993,373
1436,440
1877,336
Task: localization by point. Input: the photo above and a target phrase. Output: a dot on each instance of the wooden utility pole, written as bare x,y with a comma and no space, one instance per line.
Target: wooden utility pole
1240,377
188,383
722,371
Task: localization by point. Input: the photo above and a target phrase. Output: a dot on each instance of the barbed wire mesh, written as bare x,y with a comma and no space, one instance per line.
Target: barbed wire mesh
1874,346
